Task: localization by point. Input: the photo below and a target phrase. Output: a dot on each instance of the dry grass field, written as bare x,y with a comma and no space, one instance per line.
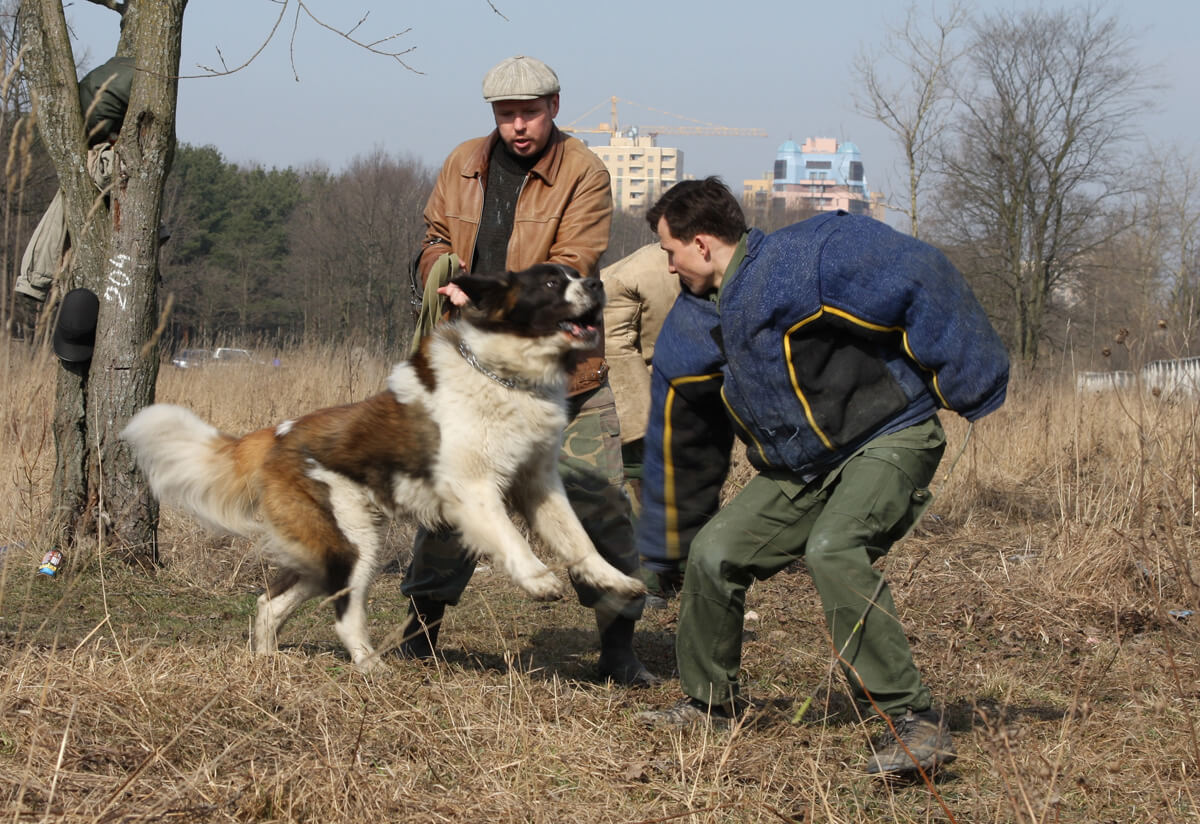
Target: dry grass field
1046,595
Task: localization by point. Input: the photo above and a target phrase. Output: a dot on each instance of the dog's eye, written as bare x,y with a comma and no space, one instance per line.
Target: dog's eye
552,283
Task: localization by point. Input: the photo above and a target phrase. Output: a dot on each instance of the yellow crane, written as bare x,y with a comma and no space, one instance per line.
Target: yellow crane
612,127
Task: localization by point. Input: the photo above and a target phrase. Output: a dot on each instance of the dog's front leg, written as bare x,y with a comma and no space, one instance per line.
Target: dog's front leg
549,512
487,531
351,628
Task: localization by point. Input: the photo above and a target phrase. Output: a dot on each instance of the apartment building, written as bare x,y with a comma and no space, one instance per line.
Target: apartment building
640,169
822,175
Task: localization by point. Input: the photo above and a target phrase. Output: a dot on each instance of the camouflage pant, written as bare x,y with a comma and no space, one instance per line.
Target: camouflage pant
592,473
632,456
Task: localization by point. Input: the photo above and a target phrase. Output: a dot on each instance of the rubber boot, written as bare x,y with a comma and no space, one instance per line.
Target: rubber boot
618,662
420,632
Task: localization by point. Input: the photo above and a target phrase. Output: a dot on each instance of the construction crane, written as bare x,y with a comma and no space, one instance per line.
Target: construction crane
613,129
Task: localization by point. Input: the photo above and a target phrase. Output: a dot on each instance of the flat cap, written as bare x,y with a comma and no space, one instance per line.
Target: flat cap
519,78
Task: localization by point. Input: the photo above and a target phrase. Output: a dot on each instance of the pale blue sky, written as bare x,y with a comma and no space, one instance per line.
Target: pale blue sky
784,67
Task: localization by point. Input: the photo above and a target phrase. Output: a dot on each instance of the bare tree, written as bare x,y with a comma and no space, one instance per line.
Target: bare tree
629,233
1174,204
1145,284
1033,174
352,246
907,87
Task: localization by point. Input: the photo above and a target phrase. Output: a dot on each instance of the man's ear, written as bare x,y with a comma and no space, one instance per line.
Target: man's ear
703,245
483,290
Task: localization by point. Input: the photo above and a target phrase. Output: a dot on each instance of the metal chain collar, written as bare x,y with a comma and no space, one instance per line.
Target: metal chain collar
469,357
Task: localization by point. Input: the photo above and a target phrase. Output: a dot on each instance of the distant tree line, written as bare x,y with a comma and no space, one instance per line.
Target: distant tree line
287,255
308,255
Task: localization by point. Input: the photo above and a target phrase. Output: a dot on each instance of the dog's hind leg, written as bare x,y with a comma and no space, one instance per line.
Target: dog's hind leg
343,537
288,591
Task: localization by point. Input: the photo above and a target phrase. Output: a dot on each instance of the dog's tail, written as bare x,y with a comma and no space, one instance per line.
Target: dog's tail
191,464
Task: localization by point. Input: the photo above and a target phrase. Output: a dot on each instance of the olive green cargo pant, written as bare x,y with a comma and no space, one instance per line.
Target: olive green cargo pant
840,524
591,470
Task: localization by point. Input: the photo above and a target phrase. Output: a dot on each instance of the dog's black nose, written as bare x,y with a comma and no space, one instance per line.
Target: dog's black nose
594,284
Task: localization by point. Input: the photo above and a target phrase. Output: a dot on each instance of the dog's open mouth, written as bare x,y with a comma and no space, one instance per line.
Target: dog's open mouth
585,328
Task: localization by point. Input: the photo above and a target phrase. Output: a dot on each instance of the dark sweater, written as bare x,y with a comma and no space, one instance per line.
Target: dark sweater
505,176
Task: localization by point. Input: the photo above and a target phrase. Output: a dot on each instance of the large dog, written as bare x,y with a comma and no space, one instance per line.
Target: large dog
471,422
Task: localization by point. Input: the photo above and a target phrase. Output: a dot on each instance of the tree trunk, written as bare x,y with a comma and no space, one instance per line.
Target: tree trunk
97,487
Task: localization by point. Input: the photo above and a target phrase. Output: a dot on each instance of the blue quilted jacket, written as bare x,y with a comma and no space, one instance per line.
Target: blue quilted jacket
825,335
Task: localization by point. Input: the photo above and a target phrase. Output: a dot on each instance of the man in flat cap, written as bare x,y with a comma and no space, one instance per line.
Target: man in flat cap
528,194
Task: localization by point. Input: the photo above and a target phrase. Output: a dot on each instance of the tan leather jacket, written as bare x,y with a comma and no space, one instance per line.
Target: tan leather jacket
641,290
563,215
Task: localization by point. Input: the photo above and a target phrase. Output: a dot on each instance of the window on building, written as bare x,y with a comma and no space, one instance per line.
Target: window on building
856,170
780,169
818,164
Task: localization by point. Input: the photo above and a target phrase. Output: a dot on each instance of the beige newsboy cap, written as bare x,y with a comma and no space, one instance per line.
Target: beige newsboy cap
519,78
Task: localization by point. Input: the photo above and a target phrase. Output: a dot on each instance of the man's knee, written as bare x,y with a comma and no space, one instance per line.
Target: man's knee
711,558
834,549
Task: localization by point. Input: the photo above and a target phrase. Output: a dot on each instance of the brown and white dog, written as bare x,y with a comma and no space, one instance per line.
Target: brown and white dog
471,422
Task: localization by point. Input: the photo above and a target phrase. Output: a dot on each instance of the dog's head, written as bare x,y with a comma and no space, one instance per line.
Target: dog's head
543,300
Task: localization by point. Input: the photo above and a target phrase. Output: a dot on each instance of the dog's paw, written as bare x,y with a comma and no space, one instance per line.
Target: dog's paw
543,587
631,586
372,665
603,575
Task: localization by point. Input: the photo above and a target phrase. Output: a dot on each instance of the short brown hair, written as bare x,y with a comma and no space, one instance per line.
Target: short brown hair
693,207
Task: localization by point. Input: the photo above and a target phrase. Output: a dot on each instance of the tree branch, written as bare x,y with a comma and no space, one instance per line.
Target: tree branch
373,46
116,5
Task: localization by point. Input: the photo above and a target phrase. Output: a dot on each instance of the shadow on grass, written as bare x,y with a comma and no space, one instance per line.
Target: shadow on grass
965,716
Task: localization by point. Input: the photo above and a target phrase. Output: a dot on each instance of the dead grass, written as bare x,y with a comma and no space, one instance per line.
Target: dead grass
1041,594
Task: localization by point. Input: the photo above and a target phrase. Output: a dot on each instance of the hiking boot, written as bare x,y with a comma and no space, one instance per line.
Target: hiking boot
618,662
654,601
921,738
420,632
689,713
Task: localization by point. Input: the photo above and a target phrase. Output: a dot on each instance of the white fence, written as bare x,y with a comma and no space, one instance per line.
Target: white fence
1164,378
1103,381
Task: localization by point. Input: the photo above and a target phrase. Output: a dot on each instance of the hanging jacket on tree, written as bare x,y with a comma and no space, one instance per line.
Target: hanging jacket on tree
103,100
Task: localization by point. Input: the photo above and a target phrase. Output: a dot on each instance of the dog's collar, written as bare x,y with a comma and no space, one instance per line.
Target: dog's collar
469,357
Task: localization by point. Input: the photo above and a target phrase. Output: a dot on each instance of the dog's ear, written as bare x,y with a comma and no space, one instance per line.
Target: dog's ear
483,290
